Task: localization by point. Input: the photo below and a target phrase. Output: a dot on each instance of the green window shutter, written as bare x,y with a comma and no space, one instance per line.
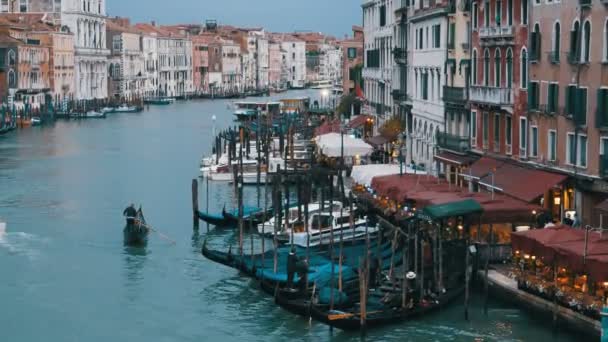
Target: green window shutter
530,96
570,94
556,98
452,35
600,116
580,107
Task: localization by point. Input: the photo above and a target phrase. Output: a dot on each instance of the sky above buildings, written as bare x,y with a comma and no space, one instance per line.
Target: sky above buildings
334,17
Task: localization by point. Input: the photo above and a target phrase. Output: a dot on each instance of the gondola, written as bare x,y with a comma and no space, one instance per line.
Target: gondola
136,231
251,215
216,220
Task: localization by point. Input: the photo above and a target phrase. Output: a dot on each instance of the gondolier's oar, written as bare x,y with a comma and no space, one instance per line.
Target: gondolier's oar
159,233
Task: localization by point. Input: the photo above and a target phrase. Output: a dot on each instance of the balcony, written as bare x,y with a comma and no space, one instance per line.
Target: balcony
492,95
496,35
454,143
454,94
399,95
574,57
400,55
401,5
604,166
553,57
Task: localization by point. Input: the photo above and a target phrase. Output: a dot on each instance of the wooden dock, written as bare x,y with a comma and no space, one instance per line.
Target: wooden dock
504,287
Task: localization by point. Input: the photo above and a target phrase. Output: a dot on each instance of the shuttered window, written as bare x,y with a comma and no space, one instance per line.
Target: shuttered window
533,96
580,107
553,97
602,108
570,95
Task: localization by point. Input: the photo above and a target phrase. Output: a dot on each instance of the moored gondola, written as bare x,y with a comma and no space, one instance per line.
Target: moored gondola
136,230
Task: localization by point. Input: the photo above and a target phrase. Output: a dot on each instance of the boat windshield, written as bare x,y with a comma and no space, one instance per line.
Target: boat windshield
321,222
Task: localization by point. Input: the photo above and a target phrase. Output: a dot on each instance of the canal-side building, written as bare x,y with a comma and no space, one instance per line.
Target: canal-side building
174,53
454,142
60,42
87,20
200,63
352,61
127,75
499,78
27,69
293,52
230,66
275,65
568,100
149,45
428,32
379,41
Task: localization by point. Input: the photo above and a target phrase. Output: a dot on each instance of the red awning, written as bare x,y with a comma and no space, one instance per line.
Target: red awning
357,121
328,127
377,141
455,159
516,180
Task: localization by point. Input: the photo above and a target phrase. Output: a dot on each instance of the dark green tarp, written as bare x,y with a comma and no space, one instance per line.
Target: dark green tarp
441,211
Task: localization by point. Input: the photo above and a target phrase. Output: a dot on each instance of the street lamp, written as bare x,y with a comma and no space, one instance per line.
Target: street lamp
324,96
402,137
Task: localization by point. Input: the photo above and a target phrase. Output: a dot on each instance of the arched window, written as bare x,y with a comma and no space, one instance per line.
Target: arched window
574,54
430,136
486,67
497,70
11,79
12,60
474,67
557,37
606,40
509,63
586,41
523,68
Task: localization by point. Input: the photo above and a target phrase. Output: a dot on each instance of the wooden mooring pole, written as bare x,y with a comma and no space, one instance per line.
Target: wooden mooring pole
195,203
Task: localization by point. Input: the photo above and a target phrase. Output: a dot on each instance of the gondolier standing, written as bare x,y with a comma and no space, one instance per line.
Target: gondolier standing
131,213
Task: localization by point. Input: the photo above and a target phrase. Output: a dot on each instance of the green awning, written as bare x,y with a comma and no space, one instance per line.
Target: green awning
454,209
466,63
451,62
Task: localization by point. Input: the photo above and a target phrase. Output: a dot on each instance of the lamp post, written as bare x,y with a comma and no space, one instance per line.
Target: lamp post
324,95
402,138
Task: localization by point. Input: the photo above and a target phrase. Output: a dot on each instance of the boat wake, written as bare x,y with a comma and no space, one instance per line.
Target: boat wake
18,243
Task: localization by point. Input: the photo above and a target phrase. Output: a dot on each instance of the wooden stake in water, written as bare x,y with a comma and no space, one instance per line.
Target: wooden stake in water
488,257
195,203
207,199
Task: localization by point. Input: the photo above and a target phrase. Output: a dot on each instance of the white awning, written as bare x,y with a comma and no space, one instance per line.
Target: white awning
363,174
331,145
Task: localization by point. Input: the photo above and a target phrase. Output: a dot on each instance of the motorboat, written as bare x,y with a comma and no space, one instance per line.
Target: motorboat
268,228
126,109
36,121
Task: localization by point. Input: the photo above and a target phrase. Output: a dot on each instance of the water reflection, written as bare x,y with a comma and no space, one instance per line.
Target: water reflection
134,262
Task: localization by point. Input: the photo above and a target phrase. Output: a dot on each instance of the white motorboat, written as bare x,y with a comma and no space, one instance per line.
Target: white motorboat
92,114
327,226
267,228
107,110
126,109
36,121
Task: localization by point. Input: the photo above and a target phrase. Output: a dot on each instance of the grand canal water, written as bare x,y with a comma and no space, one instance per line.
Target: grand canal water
65,275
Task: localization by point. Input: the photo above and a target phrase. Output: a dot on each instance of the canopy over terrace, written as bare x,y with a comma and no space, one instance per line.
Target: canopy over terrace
566,247
521,182
363,174
331,145
425,191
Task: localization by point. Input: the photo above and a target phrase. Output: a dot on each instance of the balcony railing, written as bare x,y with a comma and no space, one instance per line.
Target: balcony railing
493,32
399,95
553,57
604,165
400,55
492,95
454,94
574,57
401,5
585,2
454,143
